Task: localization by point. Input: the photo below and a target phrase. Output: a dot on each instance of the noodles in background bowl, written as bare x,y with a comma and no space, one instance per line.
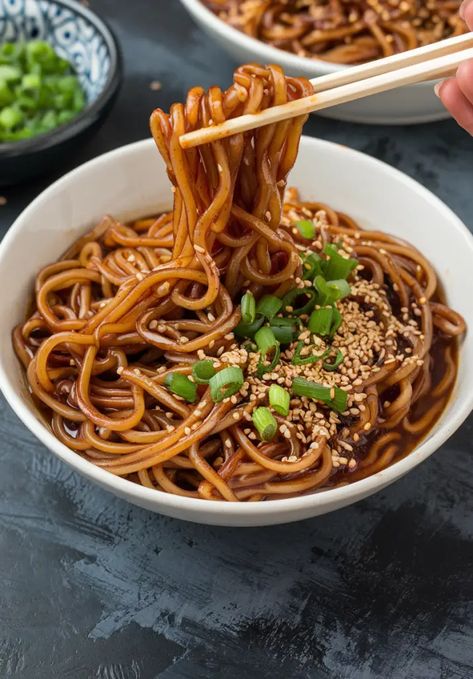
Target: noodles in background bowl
246,345
343,31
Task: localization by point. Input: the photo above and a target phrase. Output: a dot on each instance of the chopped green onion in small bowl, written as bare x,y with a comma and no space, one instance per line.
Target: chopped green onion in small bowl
39,90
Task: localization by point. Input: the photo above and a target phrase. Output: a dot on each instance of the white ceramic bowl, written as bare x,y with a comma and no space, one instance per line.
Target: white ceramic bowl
406,106
131,182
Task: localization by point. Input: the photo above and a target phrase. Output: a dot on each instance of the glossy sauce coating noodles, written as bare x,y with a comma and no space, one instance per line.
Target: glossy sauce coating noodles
343,31
122,320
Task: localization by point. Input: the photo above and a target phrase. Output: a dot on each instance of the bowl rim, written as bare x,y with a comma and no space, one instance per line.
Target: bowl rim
266,52
331,498
93,110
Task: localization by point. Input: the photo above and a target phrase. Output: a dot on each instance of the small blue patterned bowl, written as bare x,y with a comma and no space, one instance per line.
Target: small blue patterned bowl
79,36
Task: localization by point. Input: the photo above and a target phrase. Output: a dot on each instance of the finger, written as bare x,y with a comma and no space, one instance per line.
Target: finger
466,13
465,79
455,101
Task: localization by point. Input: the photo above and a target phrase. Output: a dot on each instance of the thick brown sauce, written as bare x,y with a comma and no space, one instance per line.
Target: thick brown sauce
409,441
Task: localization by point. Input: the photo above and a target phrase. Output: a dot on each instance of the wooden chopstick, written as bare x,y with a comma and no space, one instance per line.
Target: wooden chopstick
389,64
425,63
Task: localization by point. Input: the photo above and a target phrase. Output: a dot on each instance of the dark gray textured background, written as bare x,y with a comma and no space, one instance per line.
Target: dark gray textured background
93,587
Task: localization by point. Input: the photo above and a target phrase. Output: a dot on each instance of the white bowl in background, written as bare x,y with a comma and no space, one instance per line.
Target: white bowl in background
404,106
131,182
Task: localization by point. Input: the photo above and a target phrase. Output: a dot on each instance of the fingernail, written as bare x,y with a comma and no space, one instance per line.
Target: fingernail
437,89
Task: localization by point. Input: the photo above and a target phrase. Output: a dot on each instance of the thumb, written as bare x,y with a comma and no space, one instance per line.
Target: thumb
466,13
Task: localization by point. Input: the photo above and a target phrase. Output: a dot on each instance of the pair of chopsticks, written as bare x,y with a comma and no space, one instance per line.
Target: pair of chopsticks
438,60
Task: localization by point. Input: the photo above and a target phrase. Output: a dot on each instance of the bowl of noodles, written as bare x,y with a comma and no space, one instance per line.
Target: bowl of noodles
316,37
240,333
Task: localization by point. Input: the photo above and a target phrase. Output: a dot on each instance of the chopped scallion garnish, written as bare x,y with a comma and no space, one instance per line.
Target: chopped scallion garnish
268,306
333,397
285,329
279,399
312,266
320,321
303,387
283,334
248,329
248,308
38,90
182,386
331,291
291,300
268,346
265,340
226,383
333,365
306,228
287,322
339,401
298,359
265,423
202,371
336,266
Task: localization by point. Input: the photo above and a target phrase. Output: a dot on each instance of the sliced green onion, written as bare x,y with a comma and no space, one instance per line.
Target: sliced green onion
268,306
265,423
202,371
339,401
226,383
38,90
10,117
336,266
248,308
306,228
297,359
6,94
248,329
303,387
320,321
31,81
9,73
40,51
340,287
333,365
331,291
283,334
181,386
290,298
312,266
265,340
287,322
324,296
279,399
336,321
267,344
285,329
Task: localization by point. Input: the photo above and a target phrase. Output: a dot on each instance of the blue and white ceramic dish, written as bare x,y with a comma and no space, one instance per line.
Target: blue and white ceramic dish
79,36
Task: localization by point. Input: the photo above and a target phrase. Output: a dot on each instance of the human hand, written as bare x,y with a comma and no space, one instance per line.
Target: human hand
457,93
